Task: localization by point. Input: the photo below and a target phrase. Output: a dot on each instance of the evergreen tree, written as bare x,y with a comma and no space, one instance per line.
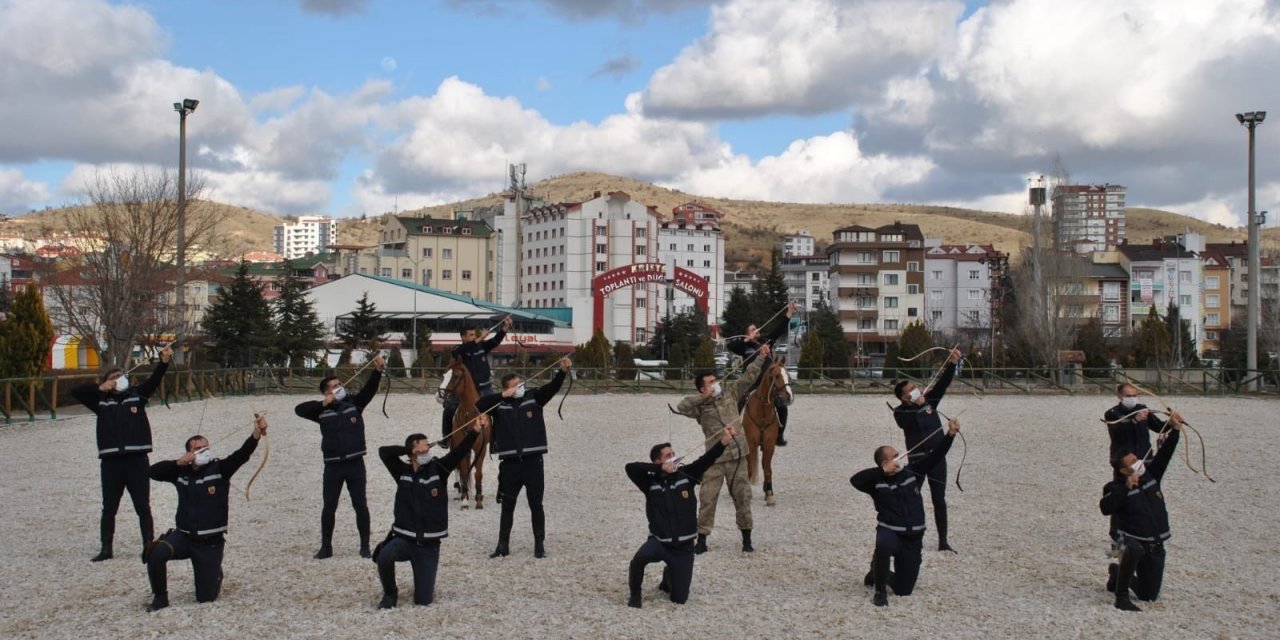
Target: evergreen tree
26,336
769,294
913,340
363,330
344,357
1179,329
594,354
395,362
624,361
704,357
6,296
824,321
299,332
238,327
811,354
1152,342
738,312
423,356
1091,340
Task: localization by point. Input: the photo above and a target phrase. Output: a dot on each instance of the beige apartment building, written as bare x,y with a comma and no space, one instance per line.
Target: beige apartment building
453,255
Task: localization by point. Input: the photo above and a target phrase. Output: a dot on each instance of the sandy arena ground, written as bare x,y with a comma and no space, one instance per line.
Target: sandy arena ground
1032,543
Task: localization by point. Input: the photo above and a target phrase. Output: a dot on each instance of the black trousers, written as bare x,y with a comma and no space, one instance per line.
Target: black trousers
423,558
780,406
678,574
1141,568
119,473
513,476
206,563
904,550
937,494
352,474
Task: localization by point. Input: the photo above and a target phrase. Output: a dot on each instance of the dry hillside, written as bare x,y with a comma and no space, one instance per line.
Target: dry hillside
753,227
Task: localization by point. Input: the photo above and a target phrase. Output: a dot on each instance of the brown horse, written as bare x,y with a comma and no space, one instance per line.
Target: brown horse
464,391
760,423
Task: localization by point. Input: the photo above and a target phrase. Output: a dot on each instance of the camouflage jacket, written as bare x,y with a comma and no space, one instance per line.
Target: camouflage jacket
713,414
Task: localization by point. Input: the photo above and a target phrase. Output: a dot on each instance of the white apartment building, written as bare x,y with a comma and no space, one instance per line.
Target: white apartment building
310,234
1165,271
807,277
877,277
957,286
692,239
1088,218
799,243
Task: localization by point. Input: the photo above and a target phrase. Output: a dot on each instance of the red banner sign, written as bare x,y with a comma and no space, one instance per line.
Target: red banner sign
642,273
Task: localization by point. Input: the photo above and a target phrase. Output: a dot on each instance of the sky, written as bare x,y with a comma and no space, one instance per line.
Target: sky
345,107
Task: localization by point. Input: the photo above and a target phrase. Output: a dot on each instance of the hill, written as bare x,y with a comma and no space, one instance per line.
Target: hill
752,228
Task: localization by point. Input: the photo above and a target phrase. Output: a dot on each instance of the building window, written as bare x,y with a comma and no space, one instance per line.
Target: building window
688,263
1211,335
386,272
1111,313
913,266
706,264
446,230
406,274
640,233
466,274
911,312
975,294
935,295
1111,291
891,324
466,231
426,252
866,324
672,246
446,274
1212,301
891,302
602,231
864,257
1211,282
602,248
890,279
817,291
936,314
599,266
640,249
446,254
892,256
936,274
1184,276
1184,300
426,276
866,278
641,303
1213,319
426,229
973,318
913,289
689,247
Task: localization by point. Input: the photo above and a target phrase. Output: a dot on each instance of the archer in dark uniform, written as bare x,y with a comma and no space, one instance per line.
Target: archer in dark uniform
124,440
920,421
746,347
519,440
671,506
474,354
421,513
341,420
894,485
203,484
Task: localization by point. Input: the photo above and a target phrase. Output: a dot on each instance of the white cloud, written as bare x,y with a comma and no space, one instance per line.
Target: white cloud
800,56
388,64
19,194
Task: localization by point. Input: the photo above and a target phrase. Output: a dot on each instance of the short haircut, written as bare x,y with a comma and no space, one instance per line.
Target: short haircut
1120,388
657,451
700,380
899,386
192,439
882,454
109,372
1117,462
324,382
463,331
412,440
508,378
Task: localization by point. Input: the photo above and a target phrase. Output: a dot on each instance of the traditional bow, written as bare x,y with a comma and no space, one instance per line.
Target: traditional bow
964,452
266,455
1203,470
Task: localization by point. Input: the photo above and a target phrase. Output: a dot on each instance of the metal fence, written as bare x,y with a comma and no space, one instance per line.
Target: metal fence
47,397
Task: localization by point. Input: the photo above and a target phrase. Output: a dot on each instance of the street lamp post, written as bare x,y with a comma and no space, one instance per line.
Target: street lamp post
1251,120
184,109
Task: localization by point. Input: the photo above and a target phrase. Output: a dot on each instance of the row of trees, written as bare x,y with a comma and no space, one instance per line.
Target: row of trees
25,334
242,329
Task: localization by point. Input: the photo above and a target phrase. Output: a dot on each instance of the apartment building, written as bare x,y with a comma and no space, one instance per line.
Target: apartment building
807,277
877,282
800,243
1216,300
1088,218
1167,270
692,239
958,289
310,234
453,255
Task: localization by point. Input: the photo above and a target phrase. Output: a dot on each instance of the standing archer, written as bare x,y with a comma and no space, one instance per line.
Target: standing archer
473,352
341,420
748,346
921,424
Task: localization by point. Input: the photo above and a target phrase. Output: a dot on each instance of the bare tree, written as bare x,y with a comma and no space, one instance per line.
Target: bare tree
121,287
1048,313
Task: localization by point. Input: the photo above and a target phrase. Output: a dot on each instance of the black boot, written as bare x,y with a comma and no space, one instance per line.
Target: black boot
539,519
107,531
880,577
881,599
387,576
701,545
782,442
504,531
635,580
1124,578
160,601
364,545
326,537
1123,603
148,528
326,551
746,541
1111,576
664,586
943,546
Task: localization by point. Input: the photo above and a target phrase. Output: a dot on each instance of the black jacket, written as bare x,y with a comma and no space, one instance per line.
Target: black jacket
747,349
123,428
422,497
1140,512
518,428
897,497
342,423
475,357
923,421
203,491
1130,436
670,503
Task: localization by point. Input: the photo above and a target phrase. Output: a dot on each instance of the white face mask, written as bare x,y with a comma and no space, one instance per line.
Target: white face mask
902,461
122,383
1128,402
203,457
519,391
914,396
1138,467
716,390
340,393
423,458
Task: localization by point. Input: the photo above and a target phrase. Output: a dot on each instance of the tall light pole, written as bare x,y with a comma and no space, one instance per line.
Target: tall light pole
184,109
1251,120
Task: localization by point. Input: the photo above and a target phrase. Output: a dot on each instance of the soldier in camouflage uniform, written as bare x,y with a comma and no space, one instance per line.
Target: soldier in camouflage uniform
714,408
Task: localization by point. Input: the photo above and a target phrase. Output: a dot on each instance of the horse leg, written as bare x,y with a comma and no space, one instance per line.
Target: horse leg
770,441
464,481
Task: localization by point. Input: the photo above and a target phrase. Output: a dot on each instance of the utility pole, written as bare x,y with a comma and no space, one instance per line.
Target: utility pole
184,109
516,172
1251,120
1036,195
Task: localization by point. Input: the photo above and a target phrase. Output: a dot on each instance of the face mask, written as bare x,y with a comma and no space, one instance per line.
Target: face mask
519,391
1138,468
424,458
716,390
902,461
122,383
1128,402
203,457
915,395
340,393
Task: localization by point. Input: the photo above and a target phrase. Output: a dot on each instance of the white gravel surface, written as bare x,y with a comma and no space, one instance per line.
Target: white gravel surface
1032,543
